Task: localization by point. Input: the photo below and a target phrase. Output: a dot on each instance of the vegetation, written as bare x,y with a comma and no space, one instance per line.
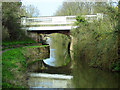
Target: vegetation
37,46
15,44
119,30
13,61
96,42
10,43
6,44
80,20
11,20
97,45
13,69
82,8
61,45
12,34
29,11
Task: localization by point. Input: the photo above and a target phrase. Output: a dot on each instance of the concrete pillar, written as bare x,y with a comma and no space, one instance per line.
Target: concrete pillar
70,49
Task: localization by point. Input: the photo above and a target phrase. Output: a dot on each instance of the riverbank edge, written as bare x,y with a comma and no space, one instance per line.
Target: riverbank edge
10,73
19,45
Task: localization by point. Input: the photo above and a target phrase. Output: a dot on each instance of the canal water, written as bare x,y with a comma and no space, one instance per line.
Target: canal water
81,76
58,50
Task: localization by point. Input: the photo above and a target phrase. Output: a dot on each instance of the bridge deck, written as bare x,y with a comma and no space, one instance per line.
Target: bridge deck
50,28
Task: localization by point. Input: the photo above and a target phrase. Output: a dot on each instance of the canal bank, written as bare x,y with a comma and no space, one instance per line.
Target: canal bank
14,66
84,76
30,70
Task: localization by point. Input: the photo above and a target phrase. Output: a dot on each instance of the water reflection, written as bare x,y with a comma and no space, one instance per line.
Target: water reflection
88,77
83,76
58,50
51,60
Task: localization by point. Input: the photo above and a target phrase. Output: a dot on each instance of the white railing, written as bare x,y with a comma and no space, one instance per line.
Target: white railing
57,20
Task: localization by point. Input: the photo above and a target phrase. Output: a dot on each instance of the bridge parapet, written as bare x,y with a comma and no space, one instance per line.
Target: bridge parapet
57,20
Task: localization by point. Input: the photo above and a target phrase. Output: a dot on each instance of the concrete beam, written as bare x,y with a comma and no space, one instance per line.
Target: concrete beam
59,28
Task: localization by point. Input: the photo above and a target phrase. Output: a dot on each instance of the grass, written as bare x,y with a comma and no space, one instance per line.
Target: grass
37,46
13,68
9,43
12,44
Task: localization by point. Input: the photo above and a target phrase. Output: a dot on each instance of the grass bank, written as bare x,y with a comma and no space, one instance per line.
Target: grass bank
14,68
9,43
14,44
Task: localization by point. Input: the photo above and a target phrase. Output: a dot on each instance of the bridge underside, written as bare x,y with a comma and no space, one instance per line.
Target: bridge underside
66,32
51,29
36,34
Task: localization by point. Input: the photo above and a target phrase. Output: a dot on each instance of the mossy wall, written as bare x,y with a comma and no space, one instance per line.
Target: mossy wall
33,53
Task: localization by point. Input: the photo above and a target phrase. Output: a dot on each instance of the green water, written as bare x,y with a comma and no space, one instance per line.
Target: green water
88,77
58,50
83,76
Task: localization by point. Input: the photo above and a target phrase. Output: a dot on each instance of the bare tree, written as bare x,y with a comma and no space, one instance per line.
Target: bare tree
30,11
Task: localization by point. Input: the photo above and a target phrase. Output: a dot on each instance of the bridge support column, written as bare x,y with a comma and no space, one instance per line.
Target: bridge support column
73,41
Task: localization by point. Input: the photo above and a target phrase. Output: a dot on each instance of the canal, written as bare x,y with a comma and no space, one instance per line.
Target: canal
61,75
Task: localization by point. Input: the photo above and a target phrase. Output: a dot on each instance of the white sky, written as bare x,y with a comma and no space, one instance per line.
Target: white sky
46,7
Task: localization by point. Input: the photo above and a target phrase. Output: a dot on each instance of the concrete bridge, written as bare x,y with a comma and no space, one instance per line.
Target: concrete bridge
53,24
47,25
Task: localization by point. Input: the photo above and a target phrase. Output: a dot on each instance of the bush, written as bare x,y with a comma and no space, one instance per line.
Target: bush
97,43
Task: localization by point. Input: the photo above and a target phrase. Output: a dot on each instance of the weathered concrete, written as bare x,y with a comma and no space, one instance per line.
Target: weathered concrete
51,28
43,80
73,41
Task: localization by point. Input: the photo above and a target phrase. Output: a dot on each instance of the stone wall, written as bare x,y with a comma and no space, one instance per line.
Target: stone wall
33,53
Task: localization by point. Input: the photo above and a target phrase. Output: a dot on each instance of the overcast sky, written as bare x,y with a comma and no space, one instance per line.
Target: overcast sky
46,7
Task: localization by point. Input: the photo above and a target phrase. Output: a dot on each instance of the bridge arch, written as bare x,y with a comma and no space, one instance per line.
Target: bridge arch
55,24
